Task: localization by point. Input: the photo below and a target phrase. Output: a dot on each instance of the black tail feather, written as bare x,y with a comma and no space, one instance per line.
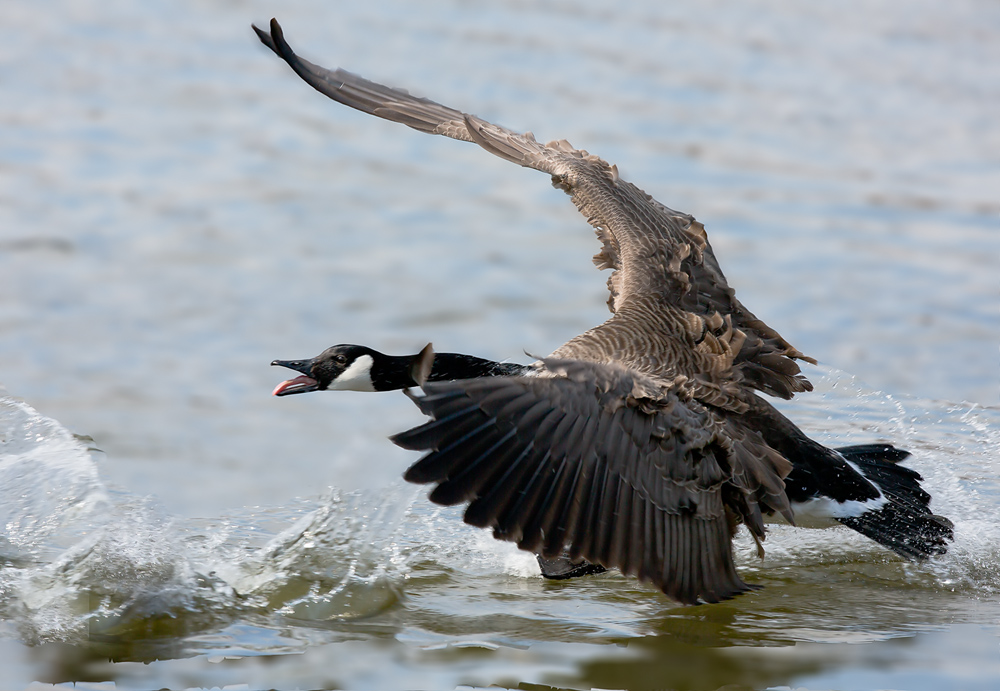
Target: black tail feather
905,523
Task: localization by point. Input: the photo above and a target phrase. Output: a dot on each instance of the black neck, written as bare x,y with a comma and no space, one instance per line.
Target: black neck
392,372
448,366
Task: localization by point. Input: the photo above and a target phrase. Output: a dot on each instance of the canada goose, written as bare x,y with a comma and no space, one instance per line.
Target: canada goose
642,443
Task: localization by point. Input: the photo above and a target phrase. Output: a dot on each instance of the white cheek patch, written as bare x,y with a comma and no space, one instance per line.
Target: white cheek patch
357,377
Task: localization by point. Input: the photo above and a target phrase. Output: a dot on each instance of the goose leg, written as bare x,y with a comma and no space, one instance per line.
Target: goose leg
562,567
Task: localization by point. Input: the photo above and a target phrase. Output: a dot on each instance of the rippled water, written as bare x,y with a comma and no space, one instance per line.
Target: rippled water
376,589
177,210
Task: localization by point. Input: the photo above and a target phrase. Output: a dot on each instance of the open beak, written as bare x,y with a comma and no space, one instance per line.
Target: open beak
302,384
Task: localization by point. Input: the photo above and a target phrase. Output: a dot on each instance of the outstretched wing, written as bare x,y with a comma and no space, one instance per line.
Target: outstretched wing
652,249
573,460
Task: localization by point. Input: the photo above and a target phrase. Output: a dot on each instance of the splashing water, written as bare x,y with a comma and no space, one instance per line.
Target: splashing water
83,563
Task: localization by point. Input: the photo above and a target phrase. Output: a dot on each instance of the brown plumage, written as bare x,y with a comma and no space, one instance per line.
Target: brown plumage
630,445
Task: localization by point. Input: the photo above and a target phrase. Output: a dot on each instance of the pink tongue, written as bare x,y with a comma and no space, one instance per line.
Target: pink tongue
292,383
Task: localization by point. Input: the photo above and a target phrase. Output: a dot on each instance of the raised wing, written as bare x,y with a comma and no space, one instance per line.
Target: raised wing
652,249
581,459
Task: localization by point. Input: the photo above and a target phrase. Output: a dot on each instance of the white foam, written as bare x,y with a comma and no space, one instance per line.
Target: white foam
109,559
48,478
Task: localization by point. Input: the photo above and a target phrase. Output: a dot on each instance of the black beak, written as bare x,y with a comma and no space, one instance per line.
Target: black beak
301,366
302,384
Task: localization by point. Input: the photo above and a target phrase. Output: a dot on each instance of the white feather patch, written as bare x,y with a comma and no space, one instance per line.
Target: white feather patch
822,512
357,377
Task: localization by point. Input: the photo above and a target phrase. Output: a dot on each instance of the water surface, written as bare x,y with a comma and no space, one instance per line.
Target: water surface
177,210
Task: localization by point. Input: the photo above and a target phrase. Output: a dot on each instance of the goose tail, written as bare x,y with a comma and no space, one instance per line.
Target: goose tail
903,521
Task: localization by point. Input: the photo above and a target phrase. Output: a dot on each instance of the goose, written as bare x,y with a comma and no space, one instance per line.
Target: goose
643,443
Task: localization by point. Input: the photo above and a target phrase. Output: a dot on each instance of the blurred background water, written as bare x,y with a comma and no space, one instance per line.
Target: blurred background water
177,209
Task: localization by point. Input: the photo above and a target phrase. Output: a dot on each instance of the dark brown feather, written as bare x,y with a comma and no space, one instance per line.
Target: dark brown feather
575,463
